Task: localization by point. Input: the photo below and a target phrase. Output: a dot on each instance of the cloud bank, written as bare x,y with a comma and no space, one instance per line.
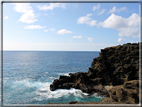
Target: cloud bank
28,15
127,27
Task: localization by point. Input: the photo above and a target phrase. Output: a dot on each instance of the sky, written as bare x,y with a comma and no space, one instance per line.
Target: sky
69,26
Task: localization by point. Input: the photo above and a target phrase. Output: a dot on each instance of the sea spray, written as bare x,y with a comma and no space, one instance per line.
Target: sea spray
27,76
40,93
65,94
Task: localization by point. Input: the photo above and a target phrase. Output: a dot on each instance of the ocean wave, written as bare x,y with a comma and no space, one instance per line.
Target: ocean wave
51,77
45,74
30,83
48,94
45,92
97,96
66,74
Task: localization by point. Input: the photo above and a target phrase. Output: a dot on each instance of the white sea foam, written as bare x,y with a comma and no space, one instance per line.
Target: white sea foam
51,77
45,92
44,89
66,74
30,83
86,94
97,96
45,73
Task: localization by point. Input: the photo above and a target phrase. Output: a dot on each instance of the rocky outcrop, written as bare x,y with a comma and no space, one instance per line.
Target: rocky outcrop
79,81
115,65
118,65
128,93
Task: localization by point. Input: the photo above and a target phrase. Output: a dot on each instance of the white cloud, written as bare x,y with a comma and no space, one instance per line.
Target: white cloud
114,22
46,30
6,17
78,37
103,10
128,27
34,27
96,7
87,20
90,39
28,15
22,7
63,31
52,29
121,40
114,9
51,6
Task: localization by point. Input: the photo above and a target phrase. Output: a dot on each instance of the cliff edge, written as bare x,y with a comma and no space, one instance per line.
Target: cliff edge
116,67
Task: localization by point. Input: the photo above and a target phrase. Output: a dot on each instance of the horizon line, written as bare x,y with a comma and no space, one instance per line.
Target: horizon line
50,50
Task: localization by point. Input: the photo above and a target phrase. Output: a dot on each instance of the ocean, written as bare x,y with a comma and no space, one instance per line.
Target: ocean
27,76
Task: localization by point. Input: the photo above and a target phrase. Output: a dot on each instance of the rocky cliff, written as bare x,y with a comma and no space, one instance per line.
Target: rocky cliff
116,66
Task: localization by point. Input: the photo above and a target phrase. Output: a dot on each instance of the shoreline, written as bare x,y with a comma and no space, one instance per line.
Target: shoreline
115,73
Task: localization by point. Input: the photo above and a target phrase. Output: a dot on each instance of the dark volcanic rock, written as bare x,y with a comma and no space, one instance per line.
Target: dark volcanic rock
115,66
127,93
72,102
110,100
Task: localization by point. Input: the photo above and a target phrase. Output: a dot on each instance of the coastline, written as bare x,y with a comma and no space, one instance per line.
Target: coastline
115,73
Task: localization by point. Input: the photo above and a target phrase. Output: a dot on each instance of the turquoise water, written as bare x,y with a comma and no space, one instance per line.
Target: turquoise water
27,76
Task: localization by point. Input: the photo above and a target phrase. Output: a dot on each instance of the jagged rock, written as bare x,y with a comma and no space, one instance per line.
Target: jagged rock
127,93
110,100
115,66
63,77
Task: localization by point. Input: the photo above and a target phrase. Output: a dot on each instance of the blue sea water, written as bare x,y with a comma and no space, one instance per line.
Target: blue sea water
27,76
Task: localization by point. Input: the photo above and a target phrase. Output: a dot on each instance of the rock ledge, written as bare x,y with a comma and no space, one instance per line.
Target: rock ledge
116,66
